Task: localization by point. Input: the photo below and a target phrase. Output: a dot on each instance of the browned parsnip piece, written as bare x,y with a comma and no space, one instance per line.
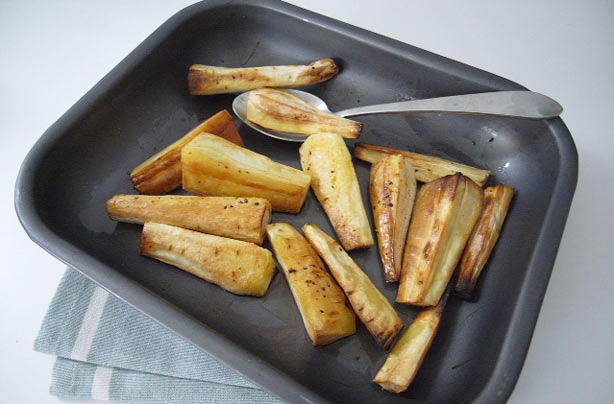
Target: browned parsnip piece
326,158
161,173
239,218
208,80
444,215
405,359
368,303
428,168
239,267
216,167
322,304
285,112
483,238
392,188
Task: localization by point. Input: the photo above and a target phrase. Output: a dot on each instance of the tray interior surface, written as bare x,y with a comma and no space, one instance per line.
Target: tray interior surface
149,107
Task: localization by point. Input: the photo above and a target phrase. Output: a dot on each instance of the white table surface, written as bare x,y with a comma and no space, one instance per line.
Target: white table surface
51,53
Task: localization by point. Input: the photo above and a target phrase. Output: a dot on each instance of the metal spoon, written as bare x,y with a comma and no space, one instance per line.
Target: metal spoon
521,104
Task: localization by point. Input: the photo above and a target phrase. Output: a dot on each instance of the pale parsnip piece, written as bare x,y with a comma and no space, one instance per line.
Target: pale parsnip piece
392,188
405,359
161,173
326,157
239,218
428,168
236,266
217,167
208,80
444,215
483,238
285,112
322,304
368,303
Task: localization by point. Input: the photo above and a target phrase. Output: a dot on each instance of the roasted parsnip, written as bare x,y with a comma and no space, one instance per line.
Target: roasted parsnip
214,166
392,188
322,304
161,173
239,267
428,168
282,111
483,238
207,80
444,215
326,157
405,359
368,303
239,218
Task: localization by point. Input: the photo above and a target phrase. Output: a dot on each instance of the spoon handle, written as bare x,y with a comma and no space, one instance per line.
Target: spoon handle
523,104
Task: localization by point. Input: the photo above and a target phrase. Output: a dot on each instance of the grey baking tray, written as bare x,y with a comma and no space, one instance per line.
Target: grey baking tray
143,105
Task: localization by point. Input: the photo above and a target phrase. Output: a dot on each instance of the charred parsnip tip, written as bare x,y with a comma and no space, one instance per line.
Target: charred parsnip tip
161,173
214,166
392,188
444,215
405,359
282,111
239,218
326,157
208,80
427,168
236,266
368,303
322,304
483,238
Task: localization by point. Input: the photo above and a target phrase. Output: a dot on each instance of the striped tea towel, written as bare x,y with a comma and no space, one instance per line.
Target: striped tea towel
107,350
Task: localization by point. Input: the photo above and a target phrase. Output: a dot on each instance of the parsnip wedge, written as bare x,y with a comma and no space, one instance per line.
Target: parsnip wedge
282,111
405,359
428,168
483,238
392,188
208,80
368,303
239,218
239,267
214,166
326,157
161,173
444,215
322,304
